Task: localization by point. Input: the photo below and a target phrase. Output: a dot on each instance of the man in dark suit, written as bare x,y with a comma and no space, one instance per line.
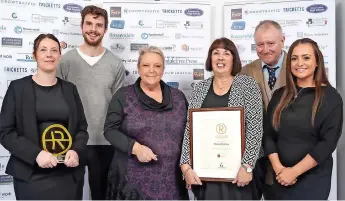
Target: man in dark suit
269,72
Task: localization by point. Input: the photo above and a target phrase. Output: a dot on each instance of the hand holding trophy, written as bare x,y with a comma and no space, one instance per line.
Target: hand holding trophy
57,140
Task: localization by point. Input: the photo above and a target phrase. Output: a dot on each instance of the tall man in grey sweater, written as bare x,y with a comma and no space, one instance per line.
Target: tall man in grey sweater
98,74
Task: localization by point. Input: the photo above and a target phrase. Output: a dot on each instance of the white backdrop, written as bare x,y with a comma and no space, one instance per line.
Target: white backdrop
299,19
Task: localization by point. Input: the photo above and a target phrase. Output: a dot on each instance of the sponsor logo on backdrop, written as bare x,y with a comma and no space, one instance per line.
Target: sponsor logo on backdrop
246,61
167,24
240,48
12,69
6,179
238,25
117,47
65,45
57,32
141,24
184,36
128,61
33,70
49,5
312,22
115,12
153,36
306,35
19,30
193,25
172,60
187,48
236,14
137,46
5,56
193,12
172,11
242,36
173,84
72,21
262,11
171,47
198,74
37,18
11,42
4,195
25,57
253,48
117,24
294,9
3,28
289,23
140,11
121,35
13,17
18,3
178,73
317,8
72,8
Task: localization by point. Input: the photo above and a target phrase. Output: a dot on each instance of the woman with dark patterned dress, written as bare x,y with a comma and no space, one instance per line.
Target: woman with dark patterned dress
226,89
145,123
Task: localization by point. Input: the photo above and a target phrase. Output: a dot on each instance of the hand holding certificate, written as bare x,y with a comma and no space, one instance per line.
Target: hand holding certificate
217,142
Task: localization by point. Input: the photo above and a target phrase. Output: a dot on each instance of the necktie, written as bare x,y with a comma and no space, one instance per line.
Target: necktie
271,76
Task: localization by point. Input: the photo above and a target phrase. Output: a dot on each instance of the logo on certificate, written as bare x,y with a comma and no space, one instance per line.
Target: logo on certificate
57,140
221,128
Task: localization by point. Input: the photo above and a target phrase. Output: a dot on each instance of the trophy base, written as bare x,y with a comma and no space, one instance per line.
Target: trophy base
61,158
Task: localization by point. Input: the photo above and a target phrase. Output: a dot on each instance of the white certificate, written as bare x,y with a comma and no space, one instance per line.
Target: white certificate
217,142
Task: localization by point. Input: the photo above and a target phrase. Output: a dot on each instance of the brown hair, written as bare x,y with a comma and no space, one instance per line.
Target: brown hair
290,90
228,45
40,37
94,10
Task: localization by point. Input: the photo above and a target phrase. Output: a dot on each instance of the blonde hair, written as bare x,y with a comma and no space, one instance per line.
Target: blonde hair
151,49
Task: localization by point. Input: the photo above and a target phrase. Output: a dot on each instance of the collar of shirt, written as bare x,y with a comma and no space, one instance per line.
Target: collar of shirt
279,65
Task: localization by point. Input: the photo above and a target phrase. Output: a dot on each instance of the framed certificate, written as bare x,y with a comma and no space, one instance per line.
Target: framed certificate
217,142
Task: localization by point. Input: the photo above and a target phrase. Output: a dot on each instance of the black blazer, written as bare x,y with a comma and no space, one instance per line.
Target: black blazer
19,132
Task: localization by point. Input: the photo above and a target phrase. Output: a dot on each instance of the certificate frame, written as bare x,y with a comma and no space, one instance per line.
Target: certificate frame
213,115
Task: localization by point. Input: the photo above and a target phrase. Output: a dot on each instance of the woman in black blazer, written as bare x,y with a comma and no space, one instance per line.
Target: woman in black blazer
32,106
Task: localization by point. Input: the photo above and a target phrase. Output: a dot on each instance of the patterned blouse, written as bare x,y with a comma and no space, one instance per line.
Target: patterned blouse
244,92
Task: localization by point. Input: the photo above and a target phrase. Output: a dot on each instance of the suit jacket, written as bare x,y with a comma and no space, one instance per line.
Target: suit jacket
19,131
254,70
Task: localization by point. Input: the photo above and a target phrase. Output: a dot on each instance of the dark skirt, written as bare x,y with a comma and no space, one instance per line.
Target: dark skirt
47,186
222,191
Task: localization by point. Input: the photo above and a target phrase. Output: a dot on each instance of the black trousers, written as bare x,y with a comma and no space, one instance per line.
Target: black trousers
98,162
51,186
260,188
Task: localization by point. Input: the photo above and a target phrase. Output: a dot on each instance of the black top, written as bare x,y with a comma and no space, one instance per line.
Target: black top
51,108
213,100
51,105
296,136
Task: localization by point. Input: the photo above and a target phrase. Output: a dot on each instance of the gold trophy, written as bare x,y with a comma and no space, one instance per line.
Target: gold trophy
57,140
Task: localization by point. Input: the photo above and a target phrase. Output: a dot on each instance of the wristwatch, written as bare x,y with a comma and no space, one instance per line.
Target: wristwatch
248,168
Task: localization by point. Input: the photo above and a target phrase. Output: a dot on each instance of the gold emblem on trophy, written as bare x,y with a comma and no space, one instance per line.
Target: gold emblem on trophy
57,140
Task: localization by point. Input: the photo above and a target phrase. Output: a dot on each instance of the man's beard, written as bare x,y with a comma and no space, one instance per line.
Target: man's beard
92,43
